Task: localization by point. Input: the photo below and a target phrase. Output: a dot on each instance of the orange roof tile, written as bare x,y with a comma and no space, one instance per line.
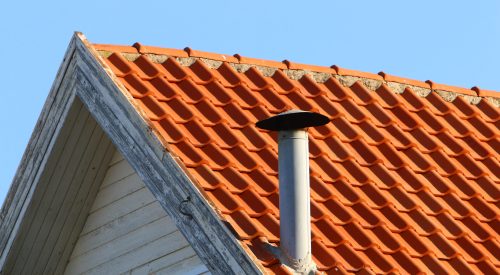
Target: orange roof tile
401,181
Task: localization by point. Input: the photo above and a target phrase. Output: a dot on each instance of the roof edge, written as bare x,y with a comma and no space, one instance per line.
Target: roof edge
334,70
160,170
42,140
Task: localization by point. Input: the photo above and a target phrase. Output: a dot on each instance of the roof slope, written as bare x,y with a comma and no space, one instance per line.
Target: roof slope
404,179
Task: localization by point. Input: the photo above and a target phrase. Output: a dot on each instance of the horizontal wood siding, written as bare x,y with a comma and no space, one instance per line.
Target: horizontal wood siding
127,231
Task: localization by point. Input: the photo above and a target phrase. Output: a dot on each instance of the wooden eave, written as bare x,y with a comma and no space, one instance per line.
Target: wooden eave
84,78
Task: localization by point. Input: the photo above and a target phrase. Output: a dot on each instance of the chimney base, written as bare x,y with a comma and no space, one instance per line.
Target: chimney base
305,266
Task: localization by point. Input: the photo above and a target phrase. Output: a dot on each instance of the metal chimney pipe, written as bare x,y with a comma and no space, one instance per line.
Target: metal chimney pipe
294,187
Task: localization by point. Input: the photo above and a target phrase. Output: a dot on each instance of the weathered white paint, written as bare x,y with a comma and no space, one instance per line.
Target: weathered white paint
127,231
64,190
106,98
41,231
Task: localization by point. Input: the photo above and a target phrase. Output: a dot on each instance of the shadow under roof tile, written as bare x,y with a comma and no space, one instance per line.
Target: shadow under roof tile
265,184
378,116
488,112
386,97
188,154
361,95
282,82
412,101
437,105
477,231
182,113
310,88
417,161
162,89
322,256
271,225
242,158
300,102
381,263
463,109
154,110
482,130
404,119
201,74
320,190
336,150
135,86
173,70
425,142
245,97
392,159
147,68
208,179
227,76
365,218
119,65
224,201
484,210
325,231
243,225
334,90
233,179
253,204
169,130
344,130
222,135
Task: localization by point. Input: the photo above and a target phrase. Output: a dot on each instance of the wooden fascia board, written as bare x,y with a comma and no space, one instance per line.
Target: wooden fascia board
134,138
37,152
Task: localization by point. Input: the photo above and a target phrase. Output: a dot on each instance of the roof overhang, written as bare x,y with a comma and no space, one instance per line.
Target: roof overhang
83,77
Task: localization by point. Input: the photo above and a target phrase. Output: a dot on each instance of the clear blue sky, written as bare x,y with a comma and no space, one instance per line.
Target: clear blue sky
451,42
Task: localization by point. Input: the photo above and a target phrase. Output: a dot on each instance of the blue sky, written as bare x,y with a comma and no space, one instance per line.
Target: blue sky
450,42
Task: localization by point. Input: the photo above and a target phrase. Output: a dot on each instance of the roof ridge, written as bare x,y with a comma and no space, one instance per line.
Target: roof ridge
346,76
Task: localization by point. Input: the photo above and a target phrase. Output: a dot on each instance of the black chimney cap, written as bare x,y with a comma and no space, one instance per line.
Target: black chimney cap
293,119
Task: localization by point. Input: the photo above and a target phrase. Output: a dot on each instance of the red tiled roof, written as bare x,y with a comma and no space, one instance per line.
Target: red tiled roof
404,178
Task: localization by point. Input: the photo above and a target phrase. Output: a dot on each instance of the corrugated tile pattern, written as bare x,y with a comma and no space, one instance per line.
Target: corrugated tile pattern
399,182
